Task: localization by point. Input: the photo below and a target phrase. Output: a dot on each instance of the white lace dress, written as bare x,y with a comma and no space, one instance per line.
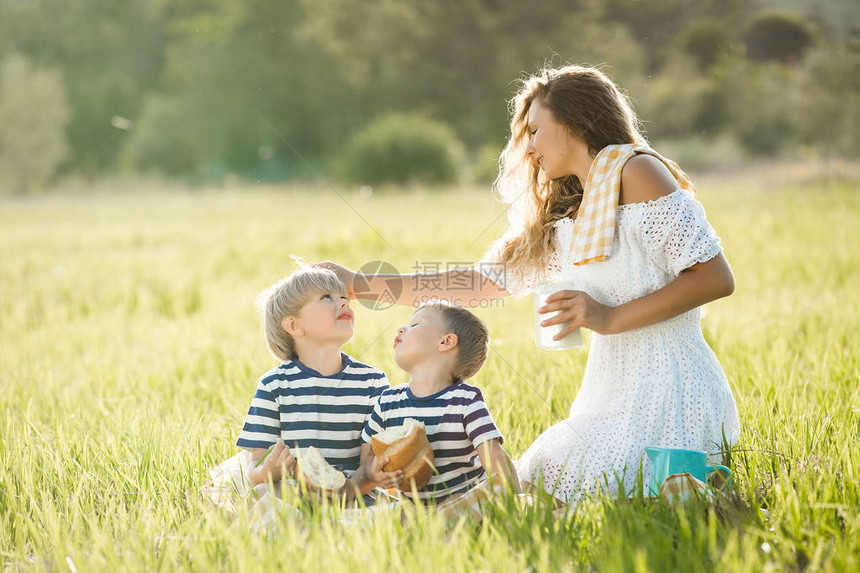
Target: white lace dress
660,385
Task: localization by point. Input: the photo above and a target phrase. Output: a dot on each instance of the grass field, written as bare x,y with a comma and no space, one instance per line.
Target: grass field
131,348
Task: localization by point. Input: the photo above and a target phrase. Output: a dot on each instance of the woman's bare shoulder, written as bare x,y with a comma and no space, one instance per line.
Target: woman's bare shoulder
645,178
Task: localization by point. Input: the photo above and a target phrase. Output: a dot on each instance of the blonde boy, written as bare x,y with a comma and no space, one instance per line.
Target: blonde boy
318,396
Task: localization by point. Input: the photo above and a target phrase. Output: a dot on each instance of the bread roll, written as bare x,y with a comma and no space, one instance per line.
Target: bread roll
407,449
317,474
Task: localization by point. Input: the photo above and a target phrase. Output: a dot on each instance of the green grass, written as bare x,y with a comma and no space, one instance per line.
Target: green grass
131,347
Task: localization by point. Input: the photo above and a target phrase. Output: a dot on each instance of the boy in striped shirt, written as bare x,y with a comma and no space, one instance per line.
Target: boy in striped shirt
442,346
319,396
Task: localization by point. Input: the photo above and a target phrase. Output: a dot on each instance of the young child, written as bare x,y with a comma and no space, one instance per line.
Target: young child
443,346
318,396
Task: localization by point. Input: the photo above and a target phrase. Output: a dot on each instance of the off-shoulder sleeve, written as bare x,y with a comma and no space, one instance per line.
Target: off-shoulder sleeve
675,232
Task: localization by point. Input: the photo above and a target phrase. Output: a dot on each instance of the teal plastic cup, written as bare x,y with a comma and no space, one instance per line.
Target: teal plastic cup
668,461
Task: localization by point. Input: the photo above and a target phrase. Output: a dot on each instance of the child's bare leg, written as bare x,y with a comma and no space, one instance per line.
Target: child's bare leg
263,489
263,511
528,497
469,502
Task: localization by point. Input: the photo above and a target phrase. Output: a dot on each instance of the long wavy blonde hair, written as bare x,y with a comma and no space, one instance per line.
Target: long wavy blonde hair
589,104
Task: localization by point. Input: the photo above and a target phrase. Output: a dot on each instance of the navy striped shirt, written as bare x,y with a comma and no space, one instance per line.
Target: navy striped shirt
305,408
456,420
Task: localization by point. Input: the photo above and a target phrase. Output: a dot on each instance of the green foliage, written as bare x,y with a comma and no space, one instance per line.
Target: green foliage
250,94
703,154
656,25
761,109
778,36
706,41
131,350
260,88
675,97
826,99
486,164
166,139
34,112
402,148
453,61
110,55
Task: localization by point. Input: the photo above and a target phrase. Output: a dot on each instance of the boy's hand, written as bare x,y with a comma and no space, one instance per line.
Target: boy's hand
383,479
279,463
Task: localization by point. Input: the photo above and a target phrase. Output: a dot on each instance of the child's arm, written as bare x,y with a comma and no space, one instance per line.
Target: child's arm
278,463
370,474
497,464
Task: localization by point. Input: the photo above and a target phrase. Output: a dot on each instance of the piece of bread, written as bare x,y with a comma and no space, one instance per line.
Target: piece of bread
407,449
317,474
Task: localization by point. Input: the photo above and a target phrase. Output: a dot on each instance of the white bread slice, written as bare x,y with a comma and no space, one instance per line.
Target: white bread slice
317,474
407,449
393,434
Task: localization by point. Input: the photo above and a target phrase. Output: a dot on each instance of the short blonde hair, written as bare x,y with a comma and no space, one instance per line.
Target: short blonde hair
286,298
473,338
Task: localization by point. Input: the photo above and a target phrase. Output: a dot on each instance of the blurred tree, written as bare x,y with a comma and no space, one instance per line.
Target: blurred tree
459,62
255,96
655,24
33,115
761,106
674,99
168,137
717,95
826,99
402,148
432,57
838,18
110,53
777,36
706,41
207,87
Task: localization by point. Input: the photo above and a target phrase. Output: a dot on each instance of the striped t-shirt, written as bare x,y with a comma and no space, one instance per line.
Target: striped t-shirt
305,408
456,420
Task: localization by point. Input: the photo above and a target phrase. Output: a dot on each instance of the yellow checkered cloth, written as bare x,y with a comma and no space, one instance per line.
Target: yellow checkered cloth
594,227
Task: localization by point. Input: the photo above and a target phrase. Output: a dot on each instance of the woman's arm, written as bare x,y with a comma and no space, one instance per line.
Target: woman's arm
695,286
644,178
464,287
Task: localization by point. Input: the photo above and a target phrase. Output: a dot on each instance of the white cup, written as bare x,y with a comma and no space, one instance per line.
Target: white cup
544,334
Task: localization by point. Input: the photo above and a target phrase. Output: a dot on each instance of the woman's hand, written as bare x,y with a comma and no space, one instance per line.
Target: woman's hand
346,275
577,309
